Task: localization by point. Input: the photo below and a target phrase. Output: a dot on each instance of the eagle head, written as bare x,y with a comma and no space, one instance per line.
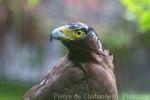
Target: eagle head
77,36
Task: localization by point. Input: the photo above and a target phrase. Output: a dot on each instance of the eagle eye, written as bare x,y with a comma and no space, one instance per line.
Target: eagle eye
79,33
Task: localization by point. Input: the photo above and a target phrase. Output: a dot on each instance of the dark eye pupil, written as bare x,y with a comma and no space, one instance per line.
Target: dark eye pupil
79,33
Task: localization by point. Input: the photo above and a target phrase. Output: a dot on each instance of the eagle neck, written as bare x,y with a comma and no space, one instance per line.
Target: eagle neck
82,54
82,51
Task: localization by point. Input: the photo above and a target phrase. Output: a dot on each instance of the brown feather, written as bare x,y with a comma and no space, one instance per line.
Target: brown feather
67,78
86,73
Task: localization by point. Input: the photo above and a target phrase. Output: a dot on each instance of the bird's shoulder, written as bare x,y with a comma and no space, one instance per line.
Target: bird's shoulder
61,75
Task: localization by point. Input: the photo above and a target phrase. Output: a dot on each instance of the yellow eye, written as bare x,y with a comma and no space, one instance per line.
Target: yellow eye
79,33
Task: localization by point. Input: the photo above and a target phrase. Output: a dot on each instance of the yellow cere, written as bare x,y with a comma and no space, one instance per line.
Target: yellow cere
72,34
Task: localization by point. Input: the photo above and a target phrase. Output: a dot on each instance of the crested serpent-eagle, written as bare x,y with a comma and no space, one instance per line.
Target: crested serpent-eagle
85,73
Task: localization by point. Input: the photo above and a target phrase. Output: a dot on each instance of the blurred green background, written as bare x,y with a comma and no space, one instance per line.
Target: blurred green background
26,53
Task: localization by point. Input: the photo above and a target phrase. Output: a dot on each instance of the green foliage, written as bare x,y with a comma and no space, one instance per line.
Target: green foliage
134,96
138,10
12,90
33,3
117,40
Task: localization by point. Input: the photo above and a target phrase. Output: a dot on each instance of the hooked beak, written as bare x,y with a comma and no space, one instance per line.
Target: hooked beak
60,33
56,34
